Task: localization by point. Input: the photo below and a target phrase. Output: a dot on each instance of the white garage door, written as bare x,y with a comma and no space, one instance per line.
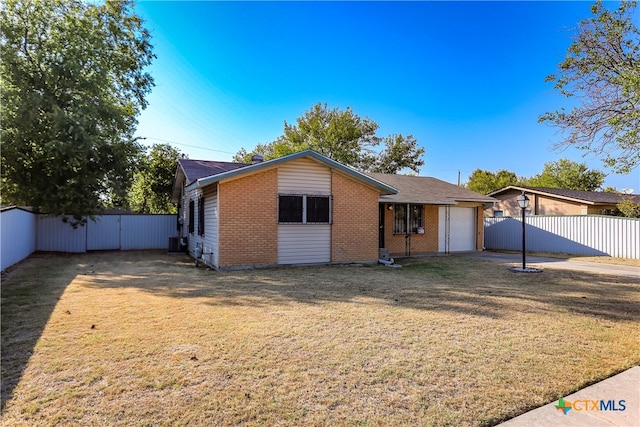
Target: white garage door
456,229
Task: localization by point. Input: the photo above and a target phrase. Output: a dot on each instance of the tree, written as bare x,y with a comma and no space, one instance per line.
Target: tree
569,175
602,70
153,183
345,137
485,182
628,208
73,83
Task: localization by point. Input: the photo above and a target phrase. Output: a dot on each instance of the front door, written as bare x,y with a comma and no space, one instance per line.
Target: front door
381,226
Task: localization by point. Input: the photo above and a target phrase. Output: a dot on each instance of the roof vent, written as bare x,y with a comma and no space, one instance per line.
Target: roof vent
257,158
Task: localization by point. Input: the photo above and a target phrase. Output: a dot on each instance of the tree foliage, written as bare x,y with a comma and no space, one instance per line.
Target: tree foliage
602,70
568,174
73,83
345,137
628,208
153,182
563,173
485,182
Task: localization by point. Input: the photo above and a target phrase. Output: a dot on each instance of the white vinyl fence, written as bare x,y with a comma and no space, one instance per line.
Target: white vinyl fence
579,235
24,233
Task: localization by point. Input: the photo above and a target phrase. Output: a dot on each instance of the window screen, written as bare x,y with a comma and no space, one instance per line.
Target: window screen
290,209
317,209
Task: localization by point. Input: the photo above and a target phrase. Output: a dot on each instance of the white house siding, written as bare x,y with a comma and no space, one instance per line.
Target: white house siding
304,243
210,238
304,176
194,239
456,229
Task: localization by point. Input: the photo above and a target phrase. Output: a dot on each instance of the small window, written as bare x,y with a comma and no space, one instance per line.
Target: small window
303,209
191,216
498,214
317,210
201,216
290,209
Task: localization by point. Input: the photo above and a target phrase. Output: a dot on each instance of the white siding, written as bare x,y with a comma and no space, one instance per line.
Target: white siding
211,234
194,239
304,176
304,244
459,234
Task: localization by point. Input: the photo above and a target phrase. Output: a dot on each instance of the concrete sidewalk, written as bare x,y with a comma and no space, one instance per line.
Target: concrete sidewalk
565,264
618,404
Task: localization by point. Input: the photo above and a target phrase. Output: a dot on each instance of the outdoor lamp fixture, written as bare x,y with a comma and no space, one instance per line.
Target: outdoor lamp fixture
523,202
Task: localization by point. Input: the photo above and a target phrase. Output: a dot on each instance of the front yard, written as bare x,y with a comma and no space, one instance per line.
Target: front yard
144,338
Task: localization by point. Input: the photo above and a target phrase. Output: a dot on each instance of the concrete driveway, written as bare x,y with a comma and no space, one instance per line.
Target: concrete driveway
515,260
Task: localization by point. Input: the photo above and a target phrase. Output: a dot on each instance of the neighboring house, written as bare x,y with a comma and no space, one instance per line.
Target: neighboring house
305,208
555,201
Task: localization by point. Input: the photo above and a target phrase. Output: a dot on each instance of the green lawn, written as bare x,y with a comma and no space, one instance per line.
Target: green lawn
144,338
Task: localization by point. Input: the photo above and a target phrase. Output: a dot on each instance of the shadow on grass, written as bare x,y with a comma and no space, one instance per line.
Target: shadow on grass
30,292
461,286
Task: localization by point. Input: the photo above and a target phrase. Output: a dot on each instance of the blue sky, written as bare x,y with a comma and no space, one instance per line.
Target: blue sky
466,79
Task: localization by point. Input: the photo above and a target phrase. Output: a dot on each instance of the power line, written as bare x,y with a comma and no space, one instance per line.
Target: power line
186,145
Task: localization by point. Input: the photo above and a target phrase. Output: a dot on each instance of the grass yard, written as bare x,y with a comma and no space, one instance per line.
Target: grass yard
144,338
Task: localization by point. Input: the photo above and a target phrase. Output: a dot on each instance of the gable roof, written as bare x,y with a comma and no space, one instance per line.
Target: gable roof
244,169
427,190
588,197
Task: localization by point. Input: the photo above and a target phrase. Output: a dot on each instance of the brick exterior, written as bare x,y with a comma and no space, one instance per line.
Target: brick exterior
420,243
248,220
427,242
354,232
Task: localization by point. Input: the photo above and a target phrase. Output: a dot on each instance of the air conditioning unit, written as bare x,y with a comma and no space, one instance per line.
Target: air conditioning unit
174,244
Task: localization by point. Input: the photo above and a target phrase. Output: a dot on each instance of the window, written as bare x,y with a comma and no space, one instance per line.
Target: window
407,218
303,209
191,216
201,216
498,214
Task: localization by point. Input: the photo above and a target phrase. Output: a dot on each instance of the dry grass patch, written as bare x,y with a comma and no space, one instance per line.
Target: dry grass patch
139,338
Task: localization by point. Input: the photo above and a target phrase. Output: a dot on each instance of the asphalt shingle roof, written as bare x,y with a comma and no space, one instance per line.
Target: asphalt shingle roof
196,169
595,197
427,190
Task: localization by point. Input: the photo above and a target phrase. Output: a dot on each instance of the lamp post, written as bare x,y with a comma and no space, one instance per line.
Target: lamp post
523,202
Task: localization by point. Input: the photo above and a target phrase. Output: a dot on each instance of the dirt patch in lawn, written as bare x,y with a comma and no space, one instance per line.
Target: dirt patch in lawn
144,338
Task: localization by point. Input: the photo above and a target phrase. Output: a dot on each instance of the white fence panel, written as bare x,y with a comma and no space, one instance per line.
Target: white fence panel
103,234
54,235
580,235
147,231
17,236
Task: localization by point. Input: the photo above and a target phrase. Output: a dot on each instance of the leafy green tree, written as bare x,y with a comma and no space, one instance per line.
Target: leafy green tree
568,174
73,83
345,137
602,70
153,183
485,182
628,207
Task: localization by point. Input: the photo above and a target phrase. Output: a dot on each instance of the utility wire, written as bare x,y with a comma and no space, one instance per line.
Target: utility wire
187,145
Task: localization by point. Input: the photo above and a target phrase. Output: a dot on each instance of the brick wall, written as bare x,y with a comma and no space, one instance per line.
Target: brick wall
248,220
354,233
420,243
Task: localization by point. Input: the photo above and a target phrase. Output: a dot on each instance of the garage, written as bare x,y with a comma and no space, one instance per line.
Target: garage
456,229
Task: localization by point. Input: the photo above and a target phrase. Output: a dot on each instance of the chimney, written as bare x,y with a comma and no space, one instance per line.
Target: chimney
257,158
